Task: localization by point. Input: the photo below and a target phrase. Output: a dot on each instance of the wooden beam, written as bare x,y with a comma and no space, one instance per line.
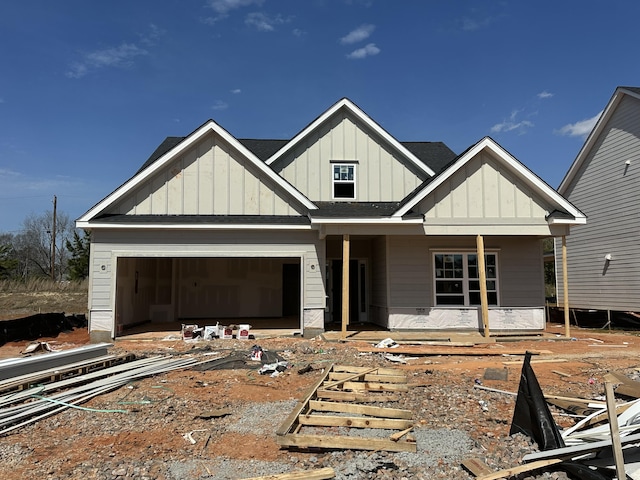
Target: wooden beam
615,432
373,377
318,474
428,350
565,287
380,371
345,443
375,387
355,396
510,472
345,284
355,422
381,412
482,271
347,378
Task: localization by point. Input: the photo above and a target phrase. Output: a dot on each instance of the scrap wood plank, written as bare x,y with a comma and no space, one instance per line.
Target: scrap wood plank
319,474
572,406
373,387
626,386
477,467
382,412
426,350
345,442
355,396
347,378
379,371
510,472
372,377
545,360
354,422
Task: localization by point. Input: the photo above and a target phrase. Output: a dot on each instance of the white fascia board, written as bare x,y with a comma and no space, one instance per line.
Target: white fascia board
189,226
567,221
540,187
346,103
593,136
180,149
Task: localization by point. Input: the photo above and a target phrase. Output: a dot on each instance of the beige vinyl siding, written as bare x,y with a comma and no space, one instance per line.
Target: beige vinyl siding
208,179
607,191
381,175
108,245
482,191
520,269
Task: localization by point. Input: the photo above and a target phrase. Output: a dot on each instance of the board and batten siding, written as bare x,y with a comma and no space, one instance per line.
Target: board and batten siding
209,179
411,271
607,190
483,192
107,246
381,175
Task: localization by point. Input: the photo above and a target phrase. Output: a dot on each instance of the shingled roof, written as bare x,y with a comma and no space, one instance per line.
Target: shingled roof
436,155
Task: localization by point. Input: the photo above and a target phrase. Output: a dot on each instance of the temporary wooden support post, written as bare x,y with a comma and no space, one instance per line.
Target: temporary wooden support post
345,283
565,287
615,432
483,285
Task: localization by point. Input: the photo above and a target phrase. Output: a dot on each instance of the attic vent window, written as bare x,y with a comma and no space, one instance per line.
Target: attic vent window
344,181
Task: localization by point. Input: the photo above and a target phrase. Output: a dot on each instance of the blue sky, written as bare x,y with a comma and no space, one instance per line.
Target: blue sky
89,89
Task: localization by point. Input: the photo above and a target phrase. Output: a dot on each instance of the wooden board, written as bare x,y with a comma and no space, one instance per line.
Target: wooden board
343,396
354,422
477,467
427,350
319,474
344,442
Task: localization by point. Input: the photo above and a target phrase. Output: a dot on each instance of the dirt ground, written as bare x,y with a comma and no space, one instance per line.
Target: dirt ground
569,367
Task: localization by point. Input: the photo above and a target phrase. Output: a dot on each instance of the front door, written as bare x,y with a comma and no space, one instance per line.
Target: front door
357,291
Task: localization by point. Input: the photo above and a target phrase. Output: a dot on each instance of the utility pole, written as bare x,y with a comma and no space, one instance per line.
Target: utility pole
53,241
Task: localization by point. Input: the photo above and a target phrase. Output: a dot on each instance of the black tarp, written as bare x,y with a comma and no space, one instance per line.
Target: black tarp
532,417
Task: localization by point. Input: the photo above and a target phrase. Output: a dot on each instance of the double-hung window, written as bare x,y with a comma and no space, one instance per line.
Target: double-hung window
344,180
457,278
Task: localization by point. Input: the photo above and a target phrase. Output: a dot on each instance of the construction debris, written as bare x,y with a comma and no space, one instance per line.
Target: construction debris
304,428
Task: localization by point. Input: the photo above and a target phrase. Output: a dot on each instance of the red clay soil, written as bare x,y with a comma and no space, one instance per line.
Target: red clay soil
569,367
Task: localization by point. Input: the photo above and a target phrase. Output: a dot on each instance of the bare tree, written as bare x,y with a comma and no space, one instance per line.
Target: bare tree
34,245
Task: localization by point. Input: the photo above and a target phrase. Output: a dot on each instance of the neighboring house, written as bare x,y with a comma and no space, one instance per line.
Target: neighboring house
603,257
213,227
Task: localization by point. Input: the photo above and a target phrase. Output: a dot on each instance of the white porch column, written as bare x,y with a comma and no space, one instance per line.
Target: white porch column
345,284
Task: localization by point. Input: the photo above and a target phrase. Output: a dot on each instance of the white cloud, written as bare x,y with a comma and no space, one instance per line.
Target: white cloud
361,33
236,91
223,7
545,94
265,23
298,33
219,105
512,124
366,51
579,129
120,57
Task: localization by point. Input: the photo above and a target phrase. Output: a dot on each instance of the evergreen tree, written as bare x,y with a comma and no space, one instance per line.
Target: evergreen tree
79,262
8,262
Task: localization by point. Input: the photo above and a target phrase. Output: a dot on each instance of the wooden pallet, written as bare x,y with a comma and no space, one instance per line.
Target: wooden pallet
345,390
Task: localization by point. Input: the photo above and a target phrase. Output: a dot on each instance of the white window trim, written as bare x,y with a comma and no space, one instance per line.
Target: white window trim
465,272
335,163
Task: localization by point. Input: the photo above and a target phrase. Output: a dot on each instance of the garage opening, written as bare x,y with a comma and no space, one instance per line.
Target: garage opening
155,293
